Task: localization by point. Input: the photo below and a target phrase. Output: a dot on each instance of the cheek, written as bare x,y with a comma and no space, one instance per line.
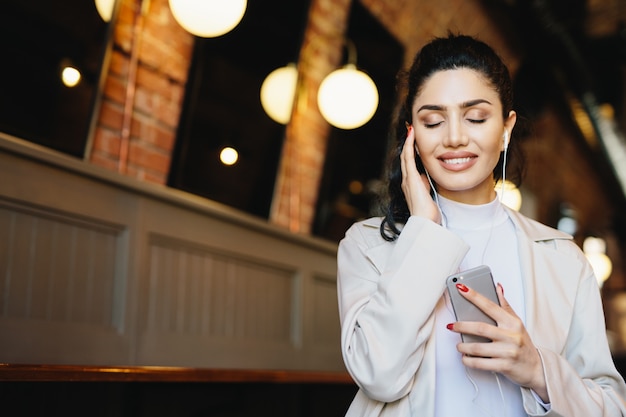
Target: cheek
494,150
426,142
494,144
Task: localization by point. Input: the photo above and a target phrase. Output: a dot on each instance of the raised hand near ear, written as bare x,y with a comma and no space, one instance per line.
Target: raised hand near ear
415,187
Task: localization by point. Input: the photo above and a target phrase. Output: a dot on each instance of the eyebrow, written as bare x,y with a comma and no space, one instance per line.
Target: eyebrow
464,105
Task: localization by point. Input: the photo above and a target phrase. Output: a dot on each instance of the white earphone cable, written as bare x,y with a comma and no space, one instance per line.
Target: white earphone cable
467,370
434,191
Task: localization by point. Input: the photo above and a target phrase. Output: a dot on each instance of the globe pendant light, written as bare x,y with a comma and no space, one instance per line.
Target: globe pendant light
105,9
278,93
512,196
347,98
595,251
208,18
229,156
70,76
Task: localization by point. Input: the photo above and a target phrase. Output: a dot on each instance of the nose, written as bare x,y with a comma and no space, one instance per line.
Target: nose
456,136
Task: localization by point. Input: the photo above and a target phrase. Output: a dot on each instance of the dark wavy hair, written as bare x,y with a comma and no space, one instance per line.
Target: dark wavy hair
441,54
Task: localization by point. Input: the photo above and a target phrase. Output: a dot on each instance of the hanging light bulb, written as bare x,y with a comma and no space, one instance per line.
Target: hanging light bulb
512,197
70,76
105,9
229,156
278,93
347,98
595,249
208,18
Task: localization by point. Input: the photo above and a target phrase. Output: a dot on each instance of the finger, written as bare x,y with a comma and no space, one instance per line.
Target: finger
479,350
503,314
409,147
487,306
473,328
503,301
404,163
485,363
411,175
408,154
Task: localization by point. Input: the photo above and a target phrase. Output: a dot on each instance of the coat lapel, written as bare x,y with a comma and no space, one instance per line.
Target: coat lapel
550,282
378,250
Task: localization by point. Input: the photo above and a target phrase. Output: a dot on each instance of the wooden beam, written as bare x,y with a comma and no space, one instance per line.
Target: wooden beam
25,372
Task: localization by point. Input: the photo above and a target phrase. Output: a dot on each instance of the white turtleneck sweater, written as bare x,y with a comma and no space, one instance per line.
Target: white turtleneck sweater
490,234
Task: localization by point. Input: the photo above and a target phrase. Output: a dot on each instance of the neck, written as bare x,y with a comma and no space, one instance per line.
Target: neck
482,194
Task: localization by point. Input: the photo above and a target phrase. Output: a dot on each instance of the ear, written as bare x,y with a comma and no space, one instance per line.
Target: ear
509,123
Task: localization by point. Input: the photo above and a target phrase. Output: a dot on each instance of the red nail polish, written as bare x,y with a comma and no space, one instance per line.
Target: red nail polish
501,288
462,287
450,326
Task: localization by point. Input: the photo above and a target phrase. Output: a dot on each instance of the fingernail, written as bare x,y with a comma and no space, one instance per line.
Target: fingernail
462,287
450,326
501,288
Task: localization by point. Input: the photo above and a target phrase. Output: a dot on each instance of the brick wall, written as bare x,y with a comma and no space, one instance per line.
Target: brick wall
414,23
302,161
143,93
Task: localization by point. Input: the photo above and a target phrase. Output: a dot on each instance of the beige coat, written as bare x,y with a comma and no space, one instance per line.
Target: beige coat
388,292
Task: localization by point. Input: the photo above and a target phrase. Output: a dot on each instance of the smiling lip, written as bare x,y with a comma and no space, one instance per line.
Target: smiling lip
457,161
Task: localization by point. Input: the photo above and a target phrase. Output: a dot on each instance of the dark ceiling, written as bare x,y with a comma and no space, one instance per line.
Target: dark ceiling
37,38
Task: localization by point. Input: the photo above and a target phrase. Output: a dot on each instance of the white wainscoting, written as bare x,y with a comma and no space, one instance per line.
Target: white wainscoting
99,269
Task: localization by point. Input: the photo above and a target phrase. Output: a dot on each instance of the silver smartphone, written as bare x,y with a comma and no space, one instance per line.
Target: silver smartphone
479,279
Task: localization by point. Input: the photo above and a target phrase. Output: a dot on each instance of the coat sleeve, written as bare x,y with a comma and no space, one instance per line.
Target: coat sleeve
386,307
582,380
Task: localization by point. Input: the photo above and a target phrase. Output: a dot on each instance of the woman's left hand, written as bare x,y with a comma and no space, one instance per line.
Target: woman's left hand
511,352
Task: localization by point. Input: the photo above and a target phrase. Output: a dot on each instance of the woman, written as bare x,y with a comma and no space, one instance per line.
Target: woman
401,343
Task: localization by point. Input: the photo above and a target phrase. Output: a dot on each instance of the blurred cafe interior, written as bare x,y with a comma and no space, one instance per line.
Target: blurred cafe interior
176,176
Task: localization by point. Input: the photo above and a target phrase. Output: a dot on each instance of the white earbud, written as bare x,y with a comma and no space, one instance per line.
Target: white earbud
505,138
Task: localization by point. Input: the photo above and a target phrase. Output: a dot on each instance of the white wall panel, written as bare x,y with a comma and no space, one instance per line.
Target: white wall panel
99,269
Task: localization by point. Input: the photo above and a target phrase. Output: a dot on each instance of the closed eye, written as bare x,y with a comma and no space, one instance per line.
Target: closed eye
432,125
